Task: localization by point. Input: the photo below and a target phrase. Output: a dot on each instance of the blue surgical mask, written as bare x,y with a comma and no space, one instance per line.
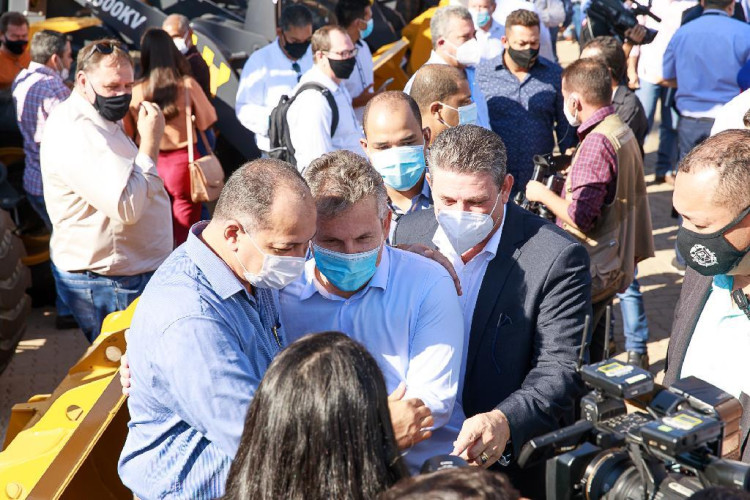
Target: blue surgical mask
467,115
368,30
401,167
347,272
480,17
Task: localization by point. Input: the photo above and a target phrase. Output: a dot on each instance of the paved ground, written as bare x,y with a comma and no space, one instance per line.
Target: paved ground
45,354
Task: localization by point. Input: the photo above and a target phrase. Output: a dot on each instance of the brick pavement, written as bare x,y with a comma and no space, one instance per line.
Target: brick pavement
45,354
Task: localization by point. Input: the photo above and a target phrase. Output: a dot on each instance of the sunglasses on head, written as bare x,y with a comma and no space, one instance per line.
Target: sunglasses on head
105,48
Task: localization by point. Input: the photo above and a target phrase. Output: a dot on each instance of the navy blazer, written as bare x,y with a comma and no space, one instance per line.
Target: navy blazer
527,326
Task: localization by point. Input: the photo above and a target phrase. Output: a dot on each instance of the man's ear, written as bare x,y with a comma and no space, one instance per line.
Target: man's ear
232,229
363,143
435,108
278,32
507,188
387,224
427,134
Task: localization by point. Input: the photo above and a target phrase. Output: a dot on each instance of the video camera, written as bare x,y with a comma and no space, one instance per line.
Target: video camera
613,18
681,444
547,170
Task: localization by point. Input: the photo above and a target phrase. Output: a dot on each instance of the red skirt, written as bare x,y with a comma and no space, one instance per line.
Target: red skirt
173,169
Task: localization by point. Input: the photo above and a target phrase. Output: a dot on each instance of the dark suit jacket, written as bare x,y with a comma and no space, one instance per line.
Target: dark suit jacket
528,323
694,294
629,108
697,10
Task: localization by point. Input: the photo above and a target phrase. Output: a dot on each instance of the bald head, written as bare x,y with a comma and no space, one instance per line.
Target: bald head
435,82
389,102
176,25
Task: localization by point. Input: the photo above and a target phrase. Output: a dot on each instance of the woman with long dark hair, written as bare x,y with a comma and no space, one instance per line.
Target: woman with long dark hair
166,79
318,427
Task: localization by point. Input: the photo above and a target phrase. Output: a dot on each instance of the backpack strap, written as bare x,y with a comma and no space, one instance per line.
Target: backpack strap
329,97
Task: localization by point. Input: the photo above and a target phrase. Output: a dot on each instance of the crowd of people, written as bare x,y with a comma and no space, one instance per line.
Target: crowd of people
367,295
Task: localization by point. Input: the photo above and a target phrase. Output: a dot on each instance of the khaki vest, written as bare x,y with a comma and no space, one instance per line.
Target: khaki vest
622,235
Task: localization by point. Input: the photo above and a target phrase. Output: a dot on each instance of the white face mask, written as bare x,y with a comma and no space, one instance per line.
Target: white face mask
468,53
572,119
465,230
181,44
64,73
276,271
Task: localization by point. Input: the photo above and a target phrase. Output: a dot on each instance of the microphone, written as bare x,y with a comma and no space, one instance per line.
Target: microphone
742,302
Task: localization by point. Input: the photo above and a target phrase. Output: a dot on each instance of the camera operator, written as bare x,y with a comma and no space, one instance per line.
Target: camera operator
604,203
711,323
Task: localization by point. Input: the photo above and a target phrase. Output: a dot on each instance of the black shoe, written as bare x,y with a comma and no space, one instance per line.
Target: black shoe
65,322
660,179
638,359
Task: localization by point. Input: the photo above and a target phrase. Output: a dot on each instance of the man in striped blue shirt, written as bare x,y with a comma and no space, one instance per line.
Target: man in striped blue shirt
206,329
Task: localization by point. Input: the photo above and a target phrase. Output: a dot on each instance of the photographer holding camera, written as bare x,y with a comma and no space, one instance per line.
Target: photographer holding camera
604,202
712,320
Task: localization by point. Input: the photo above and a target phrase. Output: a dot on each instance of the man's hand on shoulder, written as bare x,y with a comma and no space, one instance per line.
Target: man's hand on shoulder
483,438
150,128
438,257
410,418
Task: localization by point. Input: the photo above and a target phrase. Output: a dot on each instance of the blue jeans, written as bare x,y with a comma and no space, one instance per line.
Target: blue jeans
650,95
91,296
634,322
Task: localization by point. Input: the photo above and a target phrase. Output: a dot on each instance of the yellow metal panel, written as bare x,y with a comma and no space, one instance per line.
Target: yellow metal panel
70,441
64,24
387,64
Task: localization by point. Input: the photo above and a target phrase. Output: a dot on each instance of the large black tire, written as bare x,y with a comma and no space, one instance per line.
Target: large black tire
15,278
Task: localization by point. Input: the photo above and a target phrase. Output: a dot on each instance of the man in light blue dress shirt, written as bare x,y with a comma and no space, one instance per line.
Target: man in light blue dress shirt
403,307
205,330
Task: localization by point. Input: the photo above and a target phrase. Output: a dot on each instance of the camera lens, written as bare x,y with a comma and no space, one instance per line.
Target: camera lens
611,474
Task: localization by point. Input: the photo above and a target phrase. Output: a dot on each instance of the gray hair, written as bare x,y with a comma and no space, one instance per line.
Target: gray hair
251,191
46,44
340,179
182,22
441,20
470,149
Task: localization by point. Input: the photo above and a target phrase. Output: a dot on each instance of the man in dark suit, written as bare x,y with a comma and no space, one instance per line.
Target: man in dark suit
526,292
710,331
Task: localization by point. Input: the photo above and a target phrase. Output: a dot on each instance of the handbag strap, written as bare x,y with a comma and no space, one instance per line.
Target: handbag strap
189,121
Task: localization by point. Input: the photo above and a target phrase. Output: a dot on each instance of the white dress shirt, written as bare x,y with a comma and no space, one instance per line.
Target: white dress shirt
505,7
268,74
720,346
489,41
109,210
651,55
470,275
731,114
483,115
309,119
361,77
408,317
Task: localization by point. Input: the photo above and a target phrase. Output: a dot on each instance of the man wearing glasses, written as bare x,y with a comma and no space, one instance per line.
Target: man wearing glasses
110,214
273,71
310,116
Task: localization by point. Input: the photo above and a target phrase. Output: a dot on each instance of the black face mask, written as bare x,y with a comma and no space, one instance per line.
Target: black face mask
15,46
342,68
112,108
296,50
524,58
711,254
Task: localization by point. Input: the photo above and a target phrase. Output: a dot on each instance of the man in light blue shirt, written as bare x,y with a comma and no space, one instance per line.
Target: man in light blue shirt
702,60
205,330
403,307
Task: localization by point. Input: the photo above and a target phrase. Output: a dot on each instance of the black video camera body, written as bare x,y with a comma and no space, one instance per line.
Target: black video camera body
613,18
683,443
547,170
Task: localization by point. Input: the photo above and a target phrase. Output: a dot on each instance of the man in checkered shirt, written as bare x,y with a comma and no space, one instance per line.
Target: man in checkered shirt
604,203
36,91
